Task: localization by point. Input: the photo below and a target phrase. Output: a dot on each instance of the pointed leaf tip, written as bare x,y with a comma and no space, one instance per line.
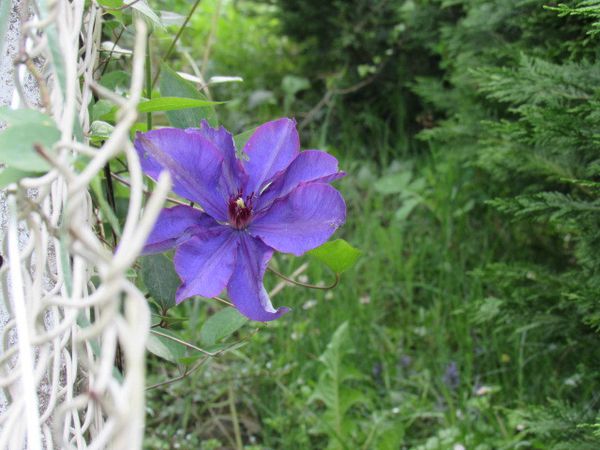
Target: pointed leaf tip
338,255
221,325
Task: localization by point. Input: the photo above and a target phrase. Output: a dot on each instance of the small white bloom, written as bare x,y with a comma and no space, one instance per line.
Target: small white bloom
483,390
309,304
222,79
365,299
114,49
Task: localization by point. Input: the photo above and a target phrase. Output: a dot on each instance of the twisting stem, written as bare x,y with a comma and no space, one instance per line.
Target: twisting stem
111,52
148,80
110,194
200,361
222,300
306,285
180,377
146,191
125,6
43,87
184,343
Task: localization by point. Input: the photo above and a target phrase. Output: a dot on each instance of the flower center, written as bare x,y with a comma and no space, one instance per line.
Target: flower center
240,210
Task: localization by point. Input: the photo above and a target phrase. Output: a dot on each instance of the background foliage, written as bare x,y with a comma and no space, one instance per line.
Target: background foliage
470,132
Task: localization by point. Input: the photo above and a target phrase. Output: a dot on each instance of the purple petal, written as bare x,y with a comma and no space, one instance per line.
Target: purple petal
234,175
309,166
205,262
303,220
176,225
246,288
193,162
270,149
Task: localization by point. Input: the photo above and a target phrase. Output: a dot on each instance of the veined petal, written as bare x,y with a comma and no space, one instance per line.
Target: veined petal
309,166
302,220
175,226
270,149
193,162
205,262
246,288
234,175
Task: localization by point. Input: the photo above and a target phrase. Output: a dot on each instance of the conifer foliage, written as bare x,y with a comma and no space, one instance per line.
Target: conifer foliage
528,117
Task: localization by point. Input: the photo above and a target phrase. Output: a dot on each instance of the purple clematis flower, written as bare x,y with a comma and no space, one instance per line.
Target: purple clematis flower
276,199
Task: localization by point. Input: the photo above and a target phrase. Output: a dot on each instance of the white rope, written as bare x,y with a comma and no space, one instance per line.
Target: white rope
26,365
58,348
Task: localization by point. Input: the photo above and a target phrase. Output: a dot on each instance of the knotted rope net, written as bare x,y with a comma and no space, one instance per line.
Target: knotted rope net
71,310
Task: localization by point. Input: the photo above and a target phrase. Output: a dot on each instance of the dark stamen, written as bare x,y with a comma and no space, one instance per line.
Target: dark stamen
240,210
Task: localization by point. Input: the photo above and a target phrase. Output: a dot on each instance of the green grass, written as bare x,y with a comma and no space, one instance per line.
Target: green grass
409,303
429,346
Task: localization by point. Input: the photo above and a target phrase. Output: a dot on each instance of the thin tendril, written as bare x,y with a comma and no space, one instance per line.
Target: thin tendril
184,343
222,300
201,361
306,285
108,59
147,192
187,372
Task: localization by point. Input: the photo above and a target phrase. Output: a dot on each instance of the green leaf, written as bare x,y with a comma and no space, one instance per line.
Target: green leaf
170,18
29,117
292,84
165,348
160,278
220,325
332,391
17,144
172,104
100,130
393,184
138,126
117,18
117,80
172,85
336,348
57,57
24,117
141,7
241,139
9,175
338,255
409,205
104,110
111,4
